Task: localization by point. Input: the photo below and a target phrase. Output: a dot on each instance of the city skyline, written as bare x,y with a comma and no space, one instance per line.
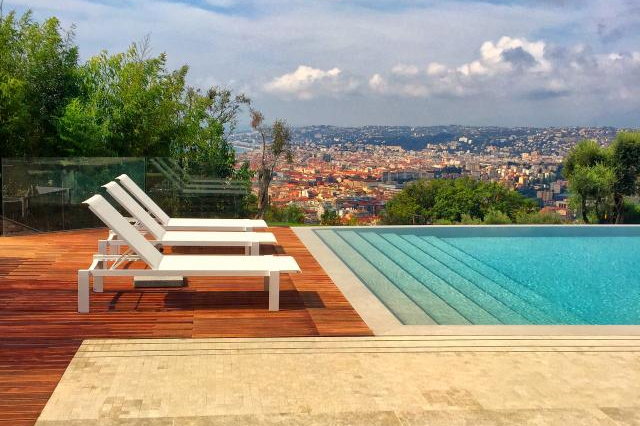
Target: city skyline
507,63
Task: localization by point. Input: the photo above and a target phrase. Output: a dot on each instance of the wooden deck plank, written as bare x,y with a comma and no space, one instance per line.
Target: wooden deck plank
40,329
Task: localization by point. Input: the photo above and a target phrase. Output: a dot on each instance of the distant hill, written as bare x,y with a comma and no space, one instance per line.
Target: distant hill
410,142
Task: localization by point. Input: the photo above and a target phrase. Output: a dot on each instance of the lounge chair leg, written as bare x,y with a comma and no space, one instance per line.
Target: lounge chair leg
274,291
266,283
83,291
98,281
255,249
103,247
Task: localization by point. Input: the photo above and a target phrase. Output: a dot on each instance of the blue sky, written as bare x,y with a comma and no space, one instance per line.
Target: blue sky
356,62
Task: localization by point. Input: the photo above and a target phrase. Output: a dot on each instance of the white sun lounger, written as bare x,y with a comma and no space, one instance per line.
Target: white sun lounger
187,224
269,267
249,240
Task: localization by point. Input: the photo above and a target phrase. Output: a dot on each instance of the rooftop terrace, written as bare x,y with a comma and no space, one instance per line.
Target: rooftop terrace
211,353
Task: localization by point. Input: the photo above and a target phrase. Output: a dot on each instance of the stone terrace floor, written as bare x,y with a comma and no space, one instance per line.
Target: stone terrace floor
40,329
399,381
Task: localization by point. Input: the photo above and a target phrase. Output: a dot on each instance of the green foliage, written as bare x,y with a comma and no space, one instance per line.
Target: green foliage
539,218
600,178
468,220
38,65
496,217
453,201
592,181
444,222
330,218
586,153
593,186
631,212
625,159
289,214
132,105
127,104
204,147
276,146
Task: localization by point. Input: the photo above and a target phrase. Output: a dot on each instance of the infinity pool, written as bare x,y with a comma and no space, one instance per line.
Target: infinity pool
497,275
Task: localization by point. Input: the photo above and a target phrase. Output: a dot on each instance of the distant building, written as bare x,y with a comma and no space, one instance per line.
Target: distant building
403,176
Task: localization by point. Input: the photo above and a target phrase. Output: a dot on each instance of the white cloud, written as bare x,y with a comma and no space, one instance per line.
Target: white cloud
377,83
516,68
307,83
402,69
402,46
435,68
506,55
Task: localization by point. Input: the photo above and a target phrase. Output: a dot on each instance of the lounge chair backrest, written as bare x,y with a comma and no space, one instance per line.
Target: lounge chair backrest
118,224
135,209
144,199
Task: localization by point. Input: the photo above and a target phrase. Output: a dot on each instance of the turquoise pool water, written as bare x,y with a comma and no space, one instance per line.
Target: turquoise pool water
497,275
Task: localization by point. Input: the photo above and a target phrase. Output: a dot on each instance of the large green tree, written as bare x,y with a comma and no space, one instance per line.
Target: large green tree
38,64
581,167
129,105
452,200
601,177
625,160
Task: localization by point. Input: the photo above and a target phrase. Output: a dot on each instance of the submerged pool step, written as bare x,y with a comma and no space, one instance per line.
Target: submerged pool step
397,301
454,299
528,312
480,306
378,255
515,294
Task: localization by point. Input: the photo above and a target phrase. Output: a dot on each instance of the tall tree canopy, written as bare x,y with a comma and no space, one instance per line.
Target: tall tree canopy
38,64
601,177
125,104
453,200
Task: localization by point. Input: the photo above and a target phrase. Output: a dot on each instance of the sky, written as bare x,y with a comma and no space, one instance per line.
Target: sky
389,62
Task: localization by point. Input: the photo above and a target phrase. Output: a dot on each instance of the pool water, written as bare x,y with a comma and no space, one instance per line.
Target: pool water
497,275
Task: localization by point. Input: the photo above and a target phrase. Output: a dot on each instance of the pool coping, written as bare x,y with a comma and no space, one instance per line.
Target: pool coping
384,323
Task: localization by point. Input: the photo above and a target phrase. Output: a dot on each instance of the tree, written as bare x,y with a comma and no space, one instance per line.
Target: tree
592,188
625,159
289,214
591,178
212,117
276,146
453,200
330,218
38,65
496,217
132,105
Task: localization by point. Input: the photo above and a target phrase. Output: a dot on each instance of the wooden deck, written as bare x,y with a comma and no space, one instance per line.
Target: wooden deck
40,329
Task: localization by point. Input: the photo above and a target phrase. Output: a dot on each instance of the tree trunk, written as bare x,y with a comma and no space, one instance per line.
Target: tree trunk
618,200
583,207
264,180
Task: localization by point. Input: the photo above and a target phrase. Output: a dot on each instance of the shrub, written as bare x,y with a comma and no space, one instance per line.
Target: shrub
469,220
496,217
330,218
541,218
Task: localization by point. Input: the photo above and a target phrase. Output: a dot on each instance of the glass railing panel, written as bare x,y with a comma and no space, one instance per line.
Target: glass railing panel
190,191
46,194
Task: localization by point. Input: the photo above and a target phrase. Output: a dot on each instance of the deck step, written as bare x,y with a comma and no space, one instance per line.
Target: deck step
379,256
485,301
405,309
541,310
